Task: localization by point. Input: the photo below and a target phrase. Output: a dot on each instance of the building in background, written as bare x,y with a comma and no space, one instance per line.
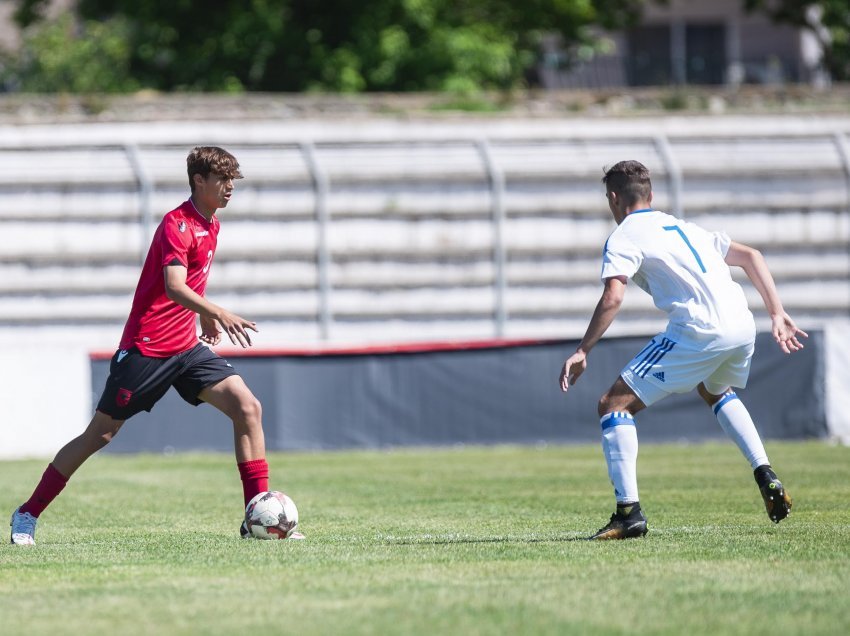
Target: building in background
677,43
690,42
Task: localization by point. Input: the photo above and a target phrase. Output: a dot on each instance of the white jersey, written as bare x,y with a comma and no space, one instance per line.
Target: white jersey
682,267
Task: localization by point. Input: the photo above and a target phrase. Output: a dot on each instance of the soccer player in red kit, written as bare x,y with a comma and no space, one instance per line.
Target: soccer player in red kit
160,349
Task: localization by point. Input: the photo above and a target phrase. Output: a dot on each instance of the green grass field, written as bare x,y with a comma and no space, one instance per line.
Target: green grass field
447,541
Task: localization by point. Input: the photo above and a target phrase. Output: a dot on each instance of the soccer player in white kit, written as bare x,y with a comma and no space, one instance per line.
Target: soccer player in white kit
708,342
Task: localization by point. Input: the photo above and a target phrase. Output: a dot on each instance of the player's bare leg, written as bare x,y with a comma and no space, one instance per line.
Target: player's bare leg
736,422
620,397
98,434
232,397
620,445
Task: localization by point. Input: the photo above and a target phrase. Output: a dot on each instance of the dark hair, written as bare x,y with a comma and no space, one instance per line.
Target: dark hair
206,159
630,180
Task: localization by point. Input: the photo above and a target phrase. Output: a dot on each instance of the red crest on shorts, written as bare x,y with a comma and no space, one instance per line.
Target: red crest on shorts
123,397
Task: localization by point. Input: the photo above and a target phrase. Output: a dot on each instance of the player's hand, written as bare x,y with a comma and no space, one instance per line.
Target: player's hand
572,370
210,333
786,333
235,327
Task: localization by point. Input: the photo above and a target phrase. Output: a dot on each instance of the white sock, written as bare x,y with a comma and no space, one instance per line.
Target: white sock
620,446
738,425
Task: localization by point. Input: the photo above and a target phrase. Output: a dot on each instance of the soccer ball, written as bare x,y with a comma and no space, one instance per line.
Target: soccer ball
271,515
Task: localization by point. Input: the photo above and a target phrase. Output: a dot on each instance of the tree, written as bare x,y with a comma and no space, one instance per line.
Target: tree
827,20
343,45
73,57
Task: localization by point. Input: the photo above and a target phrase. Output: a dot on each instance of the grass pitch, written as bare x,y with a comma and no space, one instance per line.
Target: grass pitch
457,541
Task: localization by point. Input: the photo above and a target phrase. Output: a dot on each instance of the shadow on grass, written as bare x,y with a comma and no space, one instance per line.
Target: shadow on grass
470,540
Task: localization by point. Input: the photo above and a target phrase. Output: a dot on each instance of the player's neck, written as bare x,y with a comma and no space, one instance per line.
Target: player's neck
204,212
638,208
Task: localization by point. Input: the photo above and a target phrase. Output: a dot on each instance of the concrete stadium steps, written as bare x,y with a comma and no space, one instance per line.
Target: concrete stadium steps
410,235
784,228
443,153
774,191
377,274
62,166
240,276
67,242
421,304
91,204
422,201
770,154
417,238
442,170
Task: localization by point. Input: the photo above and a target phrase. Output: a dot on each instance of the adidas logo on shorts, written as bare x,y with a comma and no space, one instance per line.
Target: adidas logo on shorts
659,375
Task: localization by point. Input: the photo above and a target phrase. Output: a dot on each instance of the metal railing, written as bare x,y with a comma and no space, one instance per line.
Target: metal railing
496,167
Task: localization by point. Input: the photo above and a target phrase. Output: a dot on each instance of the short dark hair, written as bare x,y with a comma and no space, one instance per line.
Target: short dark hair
630,180
206,159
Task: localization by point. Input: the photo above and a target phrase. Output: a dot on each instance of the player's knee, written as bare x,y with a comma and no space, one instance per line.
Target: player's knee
100,433
250,411
105,438
712,395
614,400
99,439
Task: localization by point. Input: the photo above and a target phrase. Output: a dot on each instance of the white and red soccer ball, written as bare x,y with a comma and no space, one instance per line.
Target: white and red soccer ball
271,515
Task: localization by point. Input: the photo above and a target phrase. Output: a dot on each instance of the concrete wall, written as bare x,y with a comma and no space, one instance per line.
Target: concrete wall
373,399
494,394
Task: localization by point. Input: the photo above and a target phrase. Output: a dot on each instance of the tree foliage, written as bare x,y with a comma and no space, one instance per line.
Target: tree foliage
74,57
827,20
340,45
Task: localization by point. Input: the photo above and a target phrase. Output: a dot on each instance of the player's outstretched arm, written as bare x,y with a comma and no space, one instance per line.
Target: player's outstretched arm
604,314
785,331
234,326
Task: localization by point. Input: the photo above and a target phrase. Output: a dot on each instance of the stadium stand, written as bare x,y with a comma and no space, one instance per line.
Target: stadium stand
431,229
351,231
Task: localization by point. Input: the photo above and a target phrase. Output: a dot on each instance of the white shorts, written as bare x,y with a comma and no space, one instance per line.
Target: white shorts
665,367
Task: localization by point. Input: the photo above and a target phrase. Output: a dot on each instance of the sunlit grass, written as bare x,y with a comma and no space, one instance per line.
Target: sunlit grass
457,541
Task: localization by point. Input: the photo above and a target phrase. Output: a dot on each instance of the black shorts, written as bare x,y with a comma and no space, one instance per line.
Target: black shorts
137,382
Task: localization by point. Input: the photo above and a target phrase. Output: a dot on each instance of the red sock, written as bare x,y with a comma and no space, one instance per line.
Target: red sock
255,478
51,484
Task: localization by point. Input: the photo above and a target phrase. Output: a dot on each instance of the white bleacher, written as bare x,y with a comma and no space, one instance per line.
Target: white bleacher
411,239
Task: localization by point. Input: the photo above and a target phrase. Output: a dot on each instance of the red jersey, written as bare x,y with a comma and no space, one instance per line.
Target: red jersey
157,325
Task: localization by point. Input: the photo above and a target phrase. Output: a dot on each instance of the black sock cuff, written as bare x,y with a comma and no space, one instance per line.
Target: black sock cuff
633,508
764,474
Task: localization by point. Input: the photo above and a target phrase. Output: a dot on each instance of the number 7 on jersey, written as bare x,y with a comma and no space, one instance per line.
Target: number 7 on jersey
676,228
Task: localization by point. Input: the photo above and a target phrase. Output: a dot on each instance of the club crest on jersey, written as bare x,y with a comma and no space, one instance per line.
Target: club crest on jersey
123,397
181,226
